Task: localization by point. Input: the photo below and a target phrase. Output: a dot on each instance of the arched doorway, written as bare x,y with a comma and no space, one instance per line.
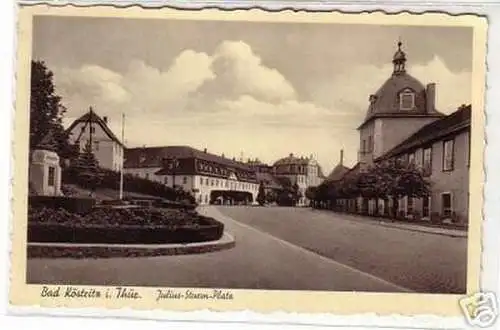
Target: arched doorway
230,197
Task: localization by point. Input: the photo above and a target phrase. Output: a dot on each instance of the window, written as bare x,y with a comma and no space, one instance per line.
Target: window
83,129
92,130
426,207
407,101
201,181
96,145
184,180
52,176
146,176
227,184
370,143
212,182
363,146
165,180
206,198
446,207
448,155
427,161
206,182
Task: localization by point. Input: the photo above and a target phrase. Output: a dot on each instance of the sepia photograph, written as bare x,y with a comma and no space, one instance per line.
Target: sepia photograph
267,155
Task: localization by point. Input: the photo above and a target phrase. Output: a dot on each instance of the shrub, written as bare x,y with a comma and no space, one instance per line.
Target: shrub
126,226
72,204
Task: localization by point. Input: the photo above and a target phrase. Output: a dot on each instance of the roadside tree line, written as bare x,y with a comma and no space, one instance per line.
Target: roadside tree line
387,181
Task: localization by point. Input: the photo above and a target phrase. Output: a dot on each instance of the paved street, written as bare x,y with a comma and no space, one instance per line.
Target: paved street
286,249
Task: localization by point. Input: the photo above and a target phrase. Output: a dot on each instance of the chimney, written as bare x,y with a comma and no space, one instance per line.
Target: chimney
430,94
205,150
223,156
105,119
341,162
291,155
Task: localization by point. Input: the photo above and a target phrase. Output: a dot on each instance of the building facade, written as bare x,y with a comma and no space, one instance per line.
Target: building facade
400,107
441,150
107,148
403,124
303,171
210,178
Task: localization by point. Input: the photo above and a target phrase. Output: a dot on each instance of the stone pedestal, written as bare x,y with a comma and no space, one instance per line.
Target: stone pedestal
45,173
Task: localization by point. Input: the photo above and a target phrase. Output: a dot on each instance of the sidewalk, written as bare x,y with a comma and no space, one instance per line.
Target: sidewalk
423,228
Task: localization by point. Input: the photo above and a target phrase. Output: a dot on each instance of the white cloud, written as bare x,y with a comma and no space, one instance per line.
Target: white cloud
240,71
230,101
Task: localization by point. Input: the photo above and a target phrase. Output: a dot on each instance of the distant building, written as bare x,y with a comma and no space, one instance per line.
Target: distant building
210,178
338,171
303,171
107,148
403,123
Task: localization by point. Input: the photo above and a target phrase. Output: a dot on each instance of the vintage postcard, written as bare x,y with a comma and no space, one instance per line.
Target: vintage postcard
248,160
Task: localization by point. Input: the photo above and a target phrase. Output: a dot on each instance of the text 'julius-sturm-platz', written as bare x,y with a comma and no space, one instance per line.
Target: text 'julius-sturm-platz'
379,202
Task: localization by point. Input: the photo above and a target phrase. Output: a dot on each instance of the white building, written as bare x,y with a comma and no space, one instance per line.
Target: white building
210,178
107,148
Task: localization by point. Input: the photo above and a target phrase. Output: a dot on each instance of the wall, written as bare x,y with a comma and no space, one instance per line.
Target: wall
456,181
365,155
392,131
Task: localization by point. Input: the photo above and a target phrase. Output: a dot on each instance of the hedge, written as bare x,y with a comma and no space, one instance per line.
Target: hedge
110,179
208,230
77,205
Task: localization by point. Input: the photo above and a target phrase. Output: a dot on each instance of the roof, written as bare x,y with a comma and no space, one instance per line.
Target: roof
153,157
455,122
92,117
385,102
338,173
292,160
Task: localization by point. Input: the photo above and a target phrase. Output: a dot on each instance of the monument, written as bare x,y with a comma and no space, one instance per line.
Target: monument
45,170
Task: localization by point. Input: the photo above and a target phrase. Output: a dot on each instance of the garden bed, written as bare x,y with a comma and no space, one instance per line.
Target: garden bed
121,226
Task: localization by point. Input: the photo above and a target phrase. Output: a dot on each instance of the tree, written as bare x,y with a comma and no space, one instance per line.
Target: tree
296,194
261,196
46,109
396,179
311,194
87,169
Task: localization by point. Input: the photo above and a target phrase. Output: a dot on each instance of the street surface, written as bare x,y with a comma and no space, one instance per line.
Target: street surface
286,249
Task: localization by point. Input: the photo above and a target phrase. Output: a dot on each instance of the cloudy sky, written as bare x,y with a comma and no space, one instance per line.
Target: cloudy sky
261,89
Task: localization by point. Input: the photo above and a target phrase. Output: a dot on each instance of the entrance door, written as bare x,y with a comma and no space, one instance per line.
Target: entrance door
426,207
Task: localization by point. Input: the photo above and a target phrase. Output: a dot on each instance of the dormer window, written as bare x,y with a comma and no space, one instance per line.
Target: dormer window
407,100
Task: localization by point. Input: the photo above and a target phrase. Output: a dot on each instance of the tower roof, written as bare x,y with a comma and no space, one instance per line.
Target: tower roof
386,101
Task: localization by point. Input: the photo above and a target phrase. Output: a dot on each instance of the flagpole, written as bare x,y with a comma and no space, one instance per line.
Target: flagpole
123,156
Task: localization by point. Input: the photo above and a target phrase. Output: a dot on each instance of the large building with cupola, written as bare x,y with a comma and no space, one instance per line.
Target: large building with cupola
402,123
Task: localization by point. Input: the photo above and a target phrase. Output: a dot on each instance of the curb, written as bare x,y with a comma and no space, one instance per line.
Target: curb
424,231
402,226
79,251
